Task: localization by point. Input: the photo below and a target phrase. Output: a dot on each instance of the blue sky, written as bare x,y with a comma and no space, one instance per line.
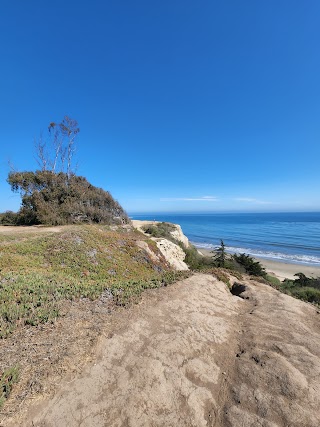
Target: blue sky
182,105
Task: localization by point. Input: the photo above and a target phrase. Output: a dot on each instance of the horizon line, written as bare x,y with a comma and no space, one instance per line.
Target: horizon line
220,212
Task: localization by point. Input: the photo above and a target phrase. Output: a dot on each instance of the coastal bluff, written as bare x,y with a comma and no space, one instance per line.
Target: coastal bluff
172,252
195,355
202,352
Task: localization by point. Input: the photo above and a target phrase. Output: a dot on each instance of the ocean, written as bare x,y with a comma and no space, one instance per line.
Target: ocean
284,237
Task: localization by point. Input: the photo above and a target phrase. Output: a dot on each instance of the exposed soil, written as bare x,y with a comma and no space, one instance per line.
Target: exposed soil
28,229
195,355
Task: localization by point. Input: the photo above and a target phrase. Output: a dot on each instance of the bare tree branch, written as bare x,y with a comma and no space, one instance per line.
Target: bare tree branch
57,151
41,153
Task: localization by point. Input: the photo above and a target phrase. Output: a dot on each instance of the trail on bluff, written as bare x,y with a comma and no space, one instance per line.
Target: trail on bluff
195,355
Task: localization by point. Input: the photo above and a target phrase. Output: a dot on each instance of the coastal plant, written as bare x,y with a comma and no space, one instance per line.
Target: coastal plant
252,267
219,255
38,273
307,294
7,378
273,280
129,292
303,287
302,280
160,229
195,260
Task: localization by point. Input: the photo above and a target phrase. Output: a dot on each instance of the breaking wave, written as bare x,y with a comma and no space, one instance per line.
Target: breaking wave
276,256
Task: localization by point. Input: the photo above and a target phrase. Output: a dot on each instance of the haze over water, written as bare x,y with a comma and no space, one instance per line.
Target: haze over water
286,237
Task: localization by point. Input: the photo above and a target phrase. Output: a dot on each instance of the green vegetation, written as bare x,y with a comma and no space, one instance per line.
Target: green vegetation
221,262
58,198
196,261
273,280
37,272
54,194
238,264
219,256
8,218
130,291
304,288
160,229
193,259
252,267
7,379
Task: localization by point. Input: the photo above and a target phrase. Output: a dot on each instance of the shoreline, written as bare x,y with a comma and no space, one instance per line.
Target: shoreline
281,270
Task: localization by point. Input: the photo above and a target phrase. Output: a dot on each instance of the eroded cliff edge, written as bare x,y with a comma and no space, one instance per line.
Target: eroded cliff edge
172,252
195,355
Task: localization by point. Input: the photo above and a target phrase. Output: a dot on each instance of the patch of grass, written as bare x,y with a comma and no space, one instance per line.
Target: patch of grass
7,379
237,274
125,293
194,260
273,280
160,229
307,294
38,272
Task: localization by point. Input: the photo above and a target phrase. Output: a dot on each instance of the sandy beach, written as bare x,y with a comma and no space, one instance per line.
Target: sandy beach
282,270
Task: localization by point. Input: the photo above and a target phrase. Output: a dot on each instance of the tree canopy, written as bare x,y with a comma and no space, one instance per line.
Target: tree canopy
54,194
59,198
252,267
219,255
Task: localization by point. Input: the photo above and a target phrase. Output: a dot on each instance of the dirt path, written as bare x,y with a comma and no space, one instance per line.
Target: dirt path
276,377
195,355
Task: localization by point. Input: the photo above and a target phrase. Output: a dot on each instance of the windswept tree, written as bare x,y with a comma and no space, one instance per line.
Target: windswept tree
219,255
54,195
56,199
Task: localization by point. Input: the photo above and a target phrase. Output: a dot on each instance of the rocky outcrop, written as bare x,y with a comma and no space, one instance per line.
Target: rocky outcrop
178,235
173,253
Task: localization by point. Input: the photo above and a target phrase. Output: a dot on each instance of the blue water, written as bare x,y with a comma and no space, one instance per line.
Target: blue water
286,237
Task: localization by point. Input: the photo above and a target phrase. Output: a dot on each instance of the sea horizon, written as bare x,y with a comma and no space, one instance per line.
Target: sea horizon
288,237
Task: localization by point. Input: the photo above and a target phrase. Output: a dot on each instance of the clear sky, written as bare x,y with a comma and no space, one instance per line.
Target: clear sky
183,105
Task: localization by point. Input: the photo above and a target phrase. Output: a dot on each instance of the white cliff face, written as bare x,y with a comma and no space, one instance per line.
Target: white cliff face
173,253
178,235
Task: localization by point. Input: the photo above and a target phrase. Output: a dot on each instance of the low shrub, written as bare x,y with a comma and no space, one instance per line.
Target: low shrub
252,267
160,229
195,260
273,280
303,287
307,294
8,218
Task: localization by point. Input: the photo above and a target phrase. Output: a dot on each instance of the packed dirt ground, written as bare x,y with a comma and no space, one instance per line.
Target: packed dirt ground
191,354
